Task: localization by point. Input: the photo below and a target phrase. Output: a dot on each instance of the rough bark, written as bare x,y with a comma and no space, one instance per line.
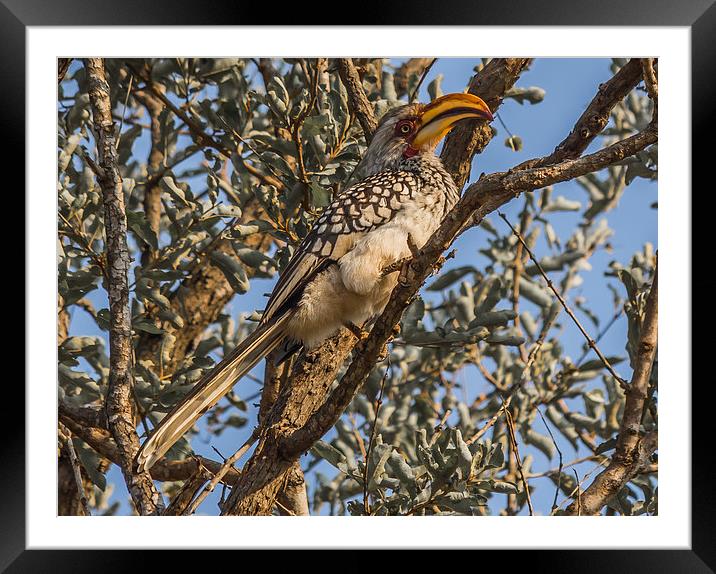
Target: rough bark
265,473
403,73
119,400
63,64
633,450
356,96
291,498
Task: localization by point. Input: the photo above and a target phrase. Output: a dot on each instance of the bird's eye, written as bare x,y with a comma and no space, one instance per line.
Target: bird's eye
405,128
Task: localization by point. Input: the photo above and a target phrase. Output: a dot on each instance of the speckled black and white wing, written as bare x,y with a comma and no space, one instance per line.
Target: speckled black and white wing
362,207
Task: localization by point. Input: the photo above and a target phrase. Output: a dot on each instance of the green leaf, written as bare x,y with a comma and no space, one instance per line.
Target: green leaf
597,364
561,203
137,222
146,326
434,87
450,277
328,452
89,460
320,196
232,270
533,94
493,318
313,125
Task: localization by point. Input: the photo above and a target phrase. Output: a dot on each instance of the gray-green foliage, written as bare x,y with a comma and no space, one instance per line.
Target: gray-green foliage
464,328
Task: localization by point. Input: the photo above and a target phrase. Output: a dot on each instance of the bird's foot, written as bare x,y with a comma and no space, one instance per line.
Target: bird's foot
395,266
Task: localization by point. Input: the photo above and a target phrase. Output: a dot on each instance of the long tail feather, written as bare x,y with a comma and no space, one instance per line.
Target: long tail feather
210,389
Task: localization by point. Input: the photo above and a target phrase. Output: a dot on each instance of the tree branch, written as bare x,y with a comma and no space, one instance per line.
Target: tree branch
595,118
471,137
165,470
402,75
121,381
633,450
357,99
63,64
66,438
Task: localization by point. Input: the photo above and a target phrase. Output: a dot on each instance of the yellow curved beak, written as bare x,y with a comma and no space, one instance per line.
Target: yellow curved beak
440,116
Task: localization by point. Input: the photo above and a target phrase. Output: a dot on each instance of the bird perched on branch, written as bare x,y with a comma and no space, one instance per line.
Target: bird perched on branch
336,276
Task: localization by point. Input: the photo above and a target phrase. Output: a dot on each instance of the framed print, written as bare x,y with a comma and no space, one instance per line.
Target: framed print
406,283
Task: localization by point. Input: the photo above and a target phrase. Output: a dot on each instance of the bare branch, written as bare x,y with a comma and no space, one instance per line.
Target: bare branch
180,503
514,449
379,403
102,442
408,68
633,450
225,468
118,404
471,137
63,64
356,97
595,117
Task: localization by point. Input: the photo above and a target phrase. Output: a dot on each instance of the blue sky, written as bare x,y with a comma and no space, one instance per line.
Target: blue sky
569,85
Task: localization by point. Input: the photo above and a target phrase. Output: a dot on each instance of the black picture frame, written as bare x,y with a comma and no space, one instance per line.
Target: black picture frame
699,15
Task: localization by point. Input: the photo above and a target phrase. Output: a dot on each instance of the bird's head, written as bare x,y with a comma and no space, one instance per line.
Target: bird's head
413,129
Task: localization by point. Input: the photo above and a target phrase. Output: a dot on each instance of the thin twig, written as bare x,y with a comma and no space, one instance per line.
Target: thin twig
559,452
516,452
66,437
379,403
437,431
124,110
600,335
548,473
218,475
566,307
518,268
579,493
421,80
